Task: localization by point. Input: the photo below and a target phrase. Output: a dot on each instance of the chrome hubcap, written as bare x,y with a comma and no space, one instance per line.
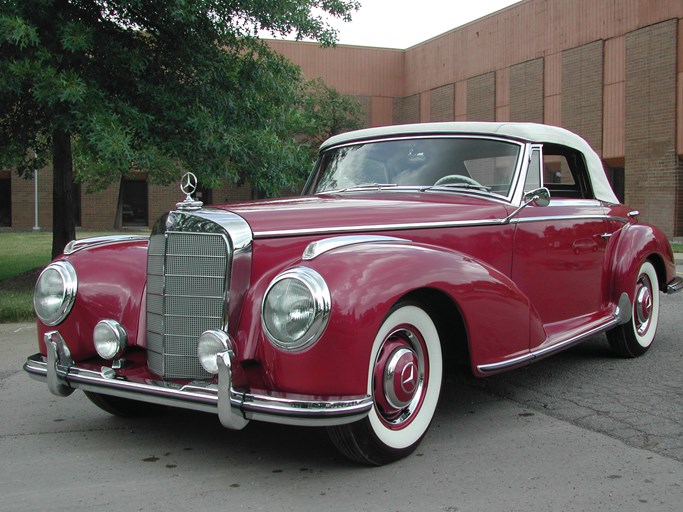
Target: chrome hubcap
643,305
400,376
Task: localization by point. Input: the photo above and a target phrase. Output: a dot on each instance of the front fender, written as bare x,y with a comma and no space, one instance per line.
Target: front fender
365,281
111,282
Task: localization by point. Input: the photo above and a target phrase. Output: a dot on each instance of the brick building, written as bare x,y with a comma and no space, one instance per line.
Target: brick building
610,70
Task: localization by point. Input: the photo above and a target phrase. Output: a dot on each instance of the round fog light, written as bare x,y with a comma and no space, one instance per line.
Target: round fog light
209,345
110,339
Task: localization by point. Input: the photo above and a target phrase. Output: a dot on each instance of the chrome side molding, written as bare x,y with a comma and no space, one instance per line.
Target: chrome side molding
622,314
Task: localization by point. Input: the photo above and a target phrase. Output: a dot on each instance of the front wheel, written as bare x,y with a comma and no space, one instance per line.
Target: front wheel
404,380
634,338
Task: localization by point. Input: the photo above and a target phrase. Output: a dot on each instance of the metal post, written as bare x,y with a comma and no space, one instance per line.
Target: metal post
36,226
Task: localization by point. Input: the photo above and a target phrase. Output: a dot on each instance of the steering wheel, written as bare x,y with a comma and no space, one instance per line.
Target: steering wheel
455,178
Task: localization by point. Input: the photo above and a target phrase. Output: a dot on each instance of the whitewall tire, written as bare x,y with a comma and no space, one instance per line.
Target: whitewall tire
634,338
404,379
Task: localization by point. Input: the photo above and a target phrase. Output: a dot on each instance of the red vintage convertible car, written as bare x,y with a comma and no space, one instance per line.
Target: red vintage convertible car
497,244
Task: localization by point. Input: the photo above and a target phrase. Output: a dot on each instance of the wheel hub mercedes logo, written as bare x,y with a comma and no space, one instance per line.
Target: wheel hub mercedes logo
408,378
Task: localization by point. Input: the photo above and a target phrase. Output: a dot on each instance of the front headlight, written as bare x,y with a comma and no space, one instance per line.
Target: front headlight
296,309
55,292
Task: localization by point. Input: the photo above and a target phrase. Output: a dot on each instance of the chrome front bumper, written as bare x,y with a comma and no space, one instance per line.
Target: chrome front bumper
234,408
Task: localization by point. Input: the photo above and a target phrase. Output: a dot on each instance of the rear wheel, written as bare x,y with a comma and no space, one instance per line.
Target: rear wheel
634,338
123,407
404,380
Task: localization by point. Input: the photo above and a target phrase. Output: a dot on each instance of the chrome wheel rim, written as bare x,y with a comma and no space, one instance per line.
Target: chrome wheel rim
643,306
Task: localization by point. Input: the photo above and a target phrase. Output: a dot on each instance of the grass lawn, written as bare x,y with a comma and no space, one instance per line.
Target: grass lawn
20,252
22,257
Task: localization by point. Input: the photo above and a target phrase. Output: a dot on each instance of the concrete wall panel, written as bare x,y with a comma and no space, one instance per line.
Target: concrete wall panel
461,101
382,111
349,69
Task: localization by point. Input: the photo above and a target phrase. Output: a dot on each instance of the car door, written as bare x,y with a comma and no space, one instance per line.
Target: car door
559,251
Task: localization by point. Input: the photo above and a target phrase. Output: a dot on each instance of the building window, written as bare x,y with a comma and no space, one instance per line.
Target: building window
203,194
134,202
617,178
5,201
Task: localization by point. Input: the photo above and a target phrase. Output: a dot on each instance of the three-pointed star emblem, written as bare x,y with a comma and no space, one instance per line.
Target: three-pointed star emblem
188,184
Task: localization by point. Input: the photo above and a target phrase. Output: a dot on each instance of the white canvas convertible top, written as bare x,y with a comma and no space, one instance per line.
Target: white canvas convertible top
527,132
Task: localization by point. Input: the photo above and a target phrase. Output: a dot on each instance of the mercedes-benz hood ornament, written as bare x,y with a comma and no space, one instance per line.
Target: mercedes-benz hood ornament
188,186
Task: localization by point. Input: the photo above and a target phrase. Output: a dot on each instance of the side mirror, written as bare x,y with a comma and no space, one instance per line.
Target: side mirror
538,197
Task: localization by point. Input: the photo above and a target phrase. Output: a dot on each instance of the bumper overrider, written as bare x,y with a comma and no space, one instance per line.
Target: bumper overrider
675,286
234,408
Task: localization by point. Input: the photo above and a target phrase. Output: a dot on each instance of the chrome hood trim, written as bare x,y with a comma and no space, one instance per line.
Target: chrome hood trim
319,247
97,241
208,220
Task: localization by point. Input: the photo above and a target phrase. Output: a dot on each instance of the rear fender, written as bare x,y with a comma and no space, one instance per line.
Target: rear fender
637,243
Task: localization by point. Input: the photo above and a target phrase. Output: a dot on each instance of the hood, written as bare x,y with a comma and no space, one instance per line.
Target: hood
363,211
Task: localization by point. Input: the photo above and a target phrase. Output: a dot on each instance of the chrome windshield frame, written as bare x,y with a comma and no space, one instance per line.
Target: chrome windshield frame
509,197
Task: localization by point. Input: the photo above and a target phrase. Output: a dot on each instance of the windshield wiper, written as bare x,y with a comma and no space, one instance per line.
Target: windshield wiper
368,185
460,185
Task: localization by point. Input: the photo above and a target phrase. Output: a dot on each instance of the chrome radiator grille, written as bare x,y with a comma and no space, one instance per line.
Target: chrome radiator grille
186,291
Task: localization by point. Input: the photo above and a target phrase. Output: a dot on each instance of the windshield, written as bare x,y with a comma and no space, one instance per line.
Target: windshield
477,163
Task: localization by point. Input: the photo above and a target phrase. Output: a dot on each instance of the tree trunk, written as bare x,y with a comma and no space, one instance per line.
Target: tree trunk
63,210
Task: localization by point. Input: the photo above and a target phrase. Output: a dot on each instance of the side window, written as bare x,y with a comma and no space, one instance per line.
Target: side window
565,173
556,171
533,175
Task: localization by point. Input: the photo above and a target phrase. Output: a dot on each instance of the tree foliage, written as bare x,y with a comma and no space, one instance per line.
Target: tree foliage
156,85
328,112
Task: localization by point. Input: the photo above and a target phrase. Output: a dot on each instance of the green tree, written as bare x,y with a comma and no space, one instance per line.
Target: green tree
328,112
155,85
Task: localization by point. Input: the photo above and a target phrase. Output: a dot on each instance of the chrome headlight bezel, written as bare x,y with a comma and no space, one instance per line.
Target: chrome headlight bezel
321,302
69,286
